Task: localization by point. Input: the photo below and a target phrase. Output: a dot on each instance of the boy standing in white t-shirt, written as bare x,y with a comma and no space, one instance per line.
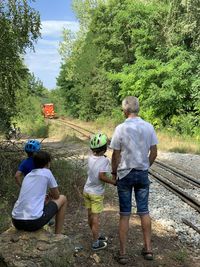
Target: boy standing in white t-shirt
30,213
98,167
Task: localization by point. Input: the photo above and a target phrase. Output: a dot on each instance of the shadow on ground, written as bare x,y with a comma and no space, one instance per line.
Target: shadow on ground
167,250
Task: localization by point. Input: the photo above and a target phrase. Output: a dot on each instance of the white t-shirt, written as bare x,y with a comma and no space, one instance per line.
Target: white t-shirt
133,137
96,164
30,203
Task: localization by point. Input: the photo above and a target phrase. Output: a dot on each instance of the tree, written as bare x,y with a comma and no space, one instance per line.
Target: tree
19,28
146,48
183,25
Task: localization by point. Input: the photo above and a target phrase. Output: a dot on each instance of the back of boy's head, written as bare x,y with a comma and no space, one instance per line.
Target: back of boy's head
98,143
41,159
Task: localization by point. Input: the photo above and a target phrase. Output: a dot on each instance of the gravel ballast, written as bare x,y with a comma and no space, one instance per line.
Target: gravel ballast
169,209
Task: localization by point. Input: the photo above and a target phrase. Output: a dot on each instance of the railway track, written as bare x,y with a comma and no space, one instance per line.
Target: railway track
84,132
180,184
177,182
193,202
179,173
174,180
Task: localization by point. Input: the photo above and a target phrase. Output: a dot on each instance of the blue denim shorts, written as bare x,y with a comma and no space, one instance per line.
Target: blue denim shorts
138,180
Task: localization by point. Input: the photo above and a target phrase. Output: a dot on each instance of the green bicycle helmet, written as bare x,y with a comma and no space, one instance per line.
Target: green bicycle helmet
98,140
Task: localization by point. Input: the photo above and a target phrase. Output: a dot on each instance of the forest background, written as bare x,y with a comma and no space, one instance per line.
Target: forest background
149,49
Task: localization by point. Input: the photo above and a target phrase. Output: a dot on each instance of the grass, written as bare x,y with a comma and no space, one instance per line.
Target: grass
71,176
175,143
8,190
180,255
168,142
5,211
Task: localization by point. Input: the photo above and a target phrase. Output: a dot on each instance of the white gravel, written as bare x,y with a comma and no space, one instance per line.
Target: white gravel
168,209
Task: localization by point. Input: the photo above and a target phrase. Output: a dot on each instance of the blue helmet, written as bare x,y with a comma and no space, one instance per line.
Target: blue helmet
32,146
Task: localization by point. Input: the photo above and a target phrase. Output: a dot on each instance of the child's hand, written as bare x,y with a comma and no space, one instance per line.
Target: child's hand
114,182
48,197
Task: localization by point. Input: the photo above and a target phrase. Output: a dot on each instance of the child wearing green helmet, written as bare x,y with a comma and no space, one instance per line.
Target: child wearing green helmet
98,170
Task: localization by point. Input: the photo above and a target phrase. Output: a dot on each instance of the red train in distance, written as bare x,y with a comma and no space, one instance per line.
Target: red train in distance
48,111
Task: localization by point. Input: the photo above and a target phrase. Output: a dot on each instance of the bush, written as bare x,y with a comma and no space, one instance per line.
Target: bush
149,116
116,117
183,124
71,175
8,190
39,129
196,131
30,118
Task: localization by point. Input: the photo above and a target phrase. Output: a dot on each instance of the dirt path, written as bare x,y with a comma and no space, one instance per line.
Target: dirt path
167,250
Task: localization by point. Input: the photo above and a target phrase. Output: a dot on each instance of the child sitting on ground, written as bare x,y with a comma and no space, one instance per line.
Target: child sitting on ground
30,213
98,168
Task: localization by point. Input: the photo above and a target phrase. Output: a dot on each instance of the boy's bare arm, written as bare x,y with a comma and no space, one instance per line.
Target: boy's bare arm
103,177
54,193
18,178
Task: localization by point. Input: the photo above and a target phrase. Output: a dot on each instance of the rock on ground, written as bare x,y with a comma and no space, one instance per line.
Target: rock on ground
35,249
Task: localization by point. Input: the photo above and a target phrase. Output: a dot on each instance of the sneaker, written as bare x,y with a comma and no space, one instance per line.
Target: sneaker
101,245
103,238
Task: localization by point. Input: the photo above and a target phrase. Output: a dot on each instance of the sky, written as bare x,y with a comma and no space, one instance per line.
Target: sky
45,61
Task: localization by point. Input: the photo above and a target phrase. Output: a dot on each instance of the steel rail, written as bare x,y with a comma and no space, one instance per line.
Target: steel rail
69,124
62,120
179,173
190,224
88,136
181,194
76,126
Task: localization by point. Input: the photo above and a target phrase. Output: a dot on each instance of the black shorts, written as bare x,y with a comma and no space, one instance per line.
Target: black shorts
50,209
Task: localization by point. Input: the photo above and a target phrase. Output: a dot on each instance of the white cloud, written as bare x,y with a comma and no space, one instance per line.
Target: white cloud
45,61
54,27
47,43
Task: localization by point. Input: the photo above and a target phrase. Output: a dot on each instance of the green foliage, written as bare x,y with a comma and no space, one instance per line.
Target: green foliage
163,87
144,48
183,25
184,124
71,177
103,121
5,216
19,28
35,87
8,190
29,116
180,255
